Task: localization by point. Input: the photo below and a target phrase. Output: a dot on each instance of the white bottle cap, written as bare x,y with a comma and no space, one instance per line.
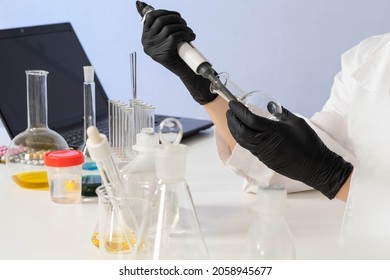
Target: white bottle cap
88,74
146,140
171,162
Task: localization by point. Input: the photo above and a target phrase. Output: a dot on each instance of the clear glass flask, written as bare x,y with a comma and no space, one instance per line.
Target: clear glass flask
170,229
269,237
258,102
24,158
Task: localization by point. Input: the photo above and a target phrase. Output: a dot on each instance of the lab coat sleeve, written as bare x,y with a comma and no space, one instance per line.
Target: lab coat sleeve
331,126
331,123
254,172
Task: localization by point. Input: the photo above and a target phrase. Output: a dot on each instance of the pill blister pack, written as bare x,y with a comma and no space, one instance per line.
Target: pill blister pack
25,155
3,151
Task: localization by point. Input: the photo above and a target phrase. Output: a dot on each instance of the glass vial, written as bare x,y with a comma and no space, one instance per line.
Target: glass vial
269,237
25,153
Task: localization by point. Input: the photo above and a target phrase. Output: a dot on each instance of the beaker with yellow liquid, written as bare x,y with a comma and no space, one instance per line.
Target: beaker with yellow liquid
113,234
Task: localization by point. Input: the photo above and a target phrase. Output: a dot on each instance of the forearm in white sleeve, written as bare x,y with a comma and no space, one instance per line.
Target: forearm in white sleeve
329,124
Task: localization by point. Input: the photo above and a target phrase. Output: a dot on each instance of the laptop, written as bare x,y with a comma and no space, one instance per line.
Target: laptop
56,48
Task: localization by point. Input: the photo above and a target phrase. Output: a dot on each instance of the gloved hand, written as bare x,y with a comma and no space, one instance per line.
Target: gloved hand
163,31
290,147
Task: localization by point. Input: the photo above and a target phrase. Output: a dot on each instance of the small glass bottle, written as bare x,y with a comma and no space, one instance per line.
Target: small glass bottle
269,237
24,158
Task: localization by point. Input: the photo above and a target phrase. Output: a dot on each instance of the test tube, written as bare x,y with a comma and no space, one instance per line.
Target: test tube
129,113
111,123
89,104
133,73
149,115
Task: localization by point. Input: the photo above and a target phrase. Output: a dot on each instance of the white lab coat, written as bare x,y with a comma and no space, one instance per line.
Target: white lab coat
354,123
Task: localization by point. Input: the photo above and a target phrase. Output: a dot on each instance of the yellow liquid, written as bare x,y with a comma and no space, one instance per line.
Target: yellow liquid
36,180
115,242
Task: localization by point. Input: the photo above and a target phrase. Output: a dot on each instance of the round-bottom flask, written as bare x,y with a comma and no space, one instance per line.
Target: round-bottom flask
24,158
258,102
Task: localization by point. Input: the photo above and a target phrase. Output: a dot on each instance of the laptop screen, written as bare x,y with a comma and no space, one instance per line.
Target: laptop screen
56,49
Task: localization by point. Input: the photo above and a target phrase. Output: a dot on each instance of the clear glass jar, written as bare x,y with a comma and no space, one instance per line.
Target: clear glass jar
24,158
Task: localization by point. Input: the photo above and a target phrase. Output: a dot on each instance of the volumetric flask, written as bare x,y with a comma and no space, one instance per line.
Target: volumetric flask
24,156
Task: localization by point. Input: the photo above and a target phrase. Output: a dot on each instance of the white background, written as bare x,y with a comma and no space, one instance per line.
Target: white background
289,48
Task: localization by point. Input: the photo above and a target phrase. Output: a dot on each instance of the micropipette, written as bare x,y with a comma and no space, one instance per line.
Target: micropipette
193,58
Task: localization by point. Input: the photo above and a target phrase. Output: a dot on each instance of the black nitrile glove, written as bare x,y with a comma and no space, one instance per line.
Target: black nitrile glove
290,147
163,31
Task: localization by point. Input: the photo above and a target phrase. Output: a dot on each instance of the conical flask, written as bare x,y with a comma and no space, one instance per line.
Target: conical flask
24,157
170,229
269,237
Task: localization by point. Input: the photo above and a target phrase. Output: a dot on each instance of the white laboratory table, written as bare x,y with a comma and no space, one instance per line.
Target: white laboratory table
34,227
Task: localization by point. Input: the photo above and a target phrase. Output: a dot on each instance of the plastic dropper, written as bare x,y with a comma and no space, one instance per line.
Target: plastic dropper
193,58
100,152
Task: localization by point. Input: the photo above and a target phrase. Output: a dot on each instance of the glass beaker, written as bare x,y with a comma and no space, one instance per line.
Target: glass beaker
257,101
112,235
24,158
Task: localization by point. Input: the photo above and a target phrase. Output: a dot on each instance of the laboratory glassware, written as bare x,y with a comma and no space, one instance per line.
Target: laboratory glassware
91,178
170,229
100,152
258,102
139,174
110,236
24,158
269,237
